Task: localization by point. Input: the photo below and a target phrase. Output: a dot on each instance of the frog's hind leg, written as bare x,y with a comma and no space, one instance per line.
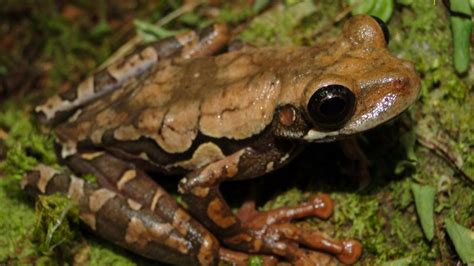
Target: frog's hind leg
268,232
271,232
134,184
132,66
147,221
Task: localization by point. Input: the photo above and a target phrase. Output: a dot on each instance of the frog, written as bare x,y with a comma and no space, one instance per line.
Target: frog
183,107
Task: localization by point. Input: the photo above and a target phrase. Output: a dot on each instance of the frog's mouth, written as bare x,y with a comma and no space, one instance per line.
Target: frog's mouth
376,106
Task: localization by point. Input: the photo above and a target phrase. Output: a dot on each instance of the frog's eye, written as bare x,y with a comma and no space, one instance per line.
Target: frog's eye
331,106
383,26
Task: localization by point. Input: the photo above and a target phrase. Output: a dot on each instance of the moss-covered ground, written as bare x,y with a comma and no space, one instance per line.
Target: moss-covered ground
418,208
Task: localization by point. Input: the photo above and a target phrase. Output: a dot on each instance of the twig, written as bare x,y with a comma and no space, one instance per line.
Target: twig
444,154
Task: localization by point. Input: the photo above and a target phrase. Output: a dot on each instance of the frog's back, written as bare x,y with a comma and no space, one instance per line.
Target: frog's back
231,96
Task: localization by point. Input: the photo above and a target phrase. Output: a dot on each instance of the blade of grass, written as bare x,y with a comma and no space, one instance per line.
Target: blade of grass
424,199
463,240
461,26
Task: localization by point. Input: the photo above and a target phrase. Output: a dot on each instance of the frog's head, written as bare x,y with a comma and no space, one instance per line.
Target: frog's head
361,84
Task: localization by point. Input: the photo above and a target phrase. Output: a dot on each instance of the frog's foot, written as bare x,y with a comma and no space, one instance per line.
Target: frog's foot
273,232
292,242
156,227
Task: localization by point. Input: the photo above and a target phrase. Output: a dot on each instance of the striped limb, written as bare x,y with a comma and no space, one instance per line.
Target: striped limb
157,229
128,208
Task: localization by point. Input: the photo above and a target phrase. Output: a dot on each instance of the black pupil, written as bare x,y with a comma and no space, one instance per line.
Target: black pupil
332,106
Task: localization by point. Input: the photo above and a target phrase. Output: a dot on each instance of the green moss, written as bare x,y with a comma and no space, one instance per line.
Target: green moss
68,45
289,198
255,261
16,223
24,142
16,217
90,178
230,14
106,254
446,100
54,215
443,117
277,25
25,145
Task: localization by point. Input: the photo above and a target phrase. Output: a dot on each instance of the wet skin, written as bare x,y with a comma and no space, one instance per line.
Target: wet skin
172,108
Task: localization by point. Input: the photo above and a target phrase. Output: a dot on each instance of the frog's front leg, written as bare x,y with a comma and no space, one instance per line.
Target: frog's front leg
185,45
267,232
128,208
358,163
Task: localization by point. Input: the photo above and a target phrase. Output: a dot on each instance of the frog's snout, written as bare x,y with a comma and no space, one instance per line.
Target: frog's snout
408,65
414,82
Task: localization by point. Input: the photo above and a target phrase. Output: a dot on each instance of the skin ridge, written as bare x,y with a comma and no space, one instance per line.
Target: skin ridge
159,158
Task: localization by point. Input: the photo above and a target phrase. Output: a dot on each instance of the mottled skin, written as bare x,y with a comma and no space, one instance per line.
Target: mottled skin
171,108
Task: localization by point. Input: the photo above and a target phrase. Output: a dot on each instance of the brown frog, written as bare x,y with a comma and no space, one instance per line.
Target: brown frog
172,108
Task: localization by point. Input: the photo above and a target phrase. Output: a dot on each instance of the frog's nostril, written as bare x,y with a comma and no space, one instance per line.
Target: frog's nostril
399,84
